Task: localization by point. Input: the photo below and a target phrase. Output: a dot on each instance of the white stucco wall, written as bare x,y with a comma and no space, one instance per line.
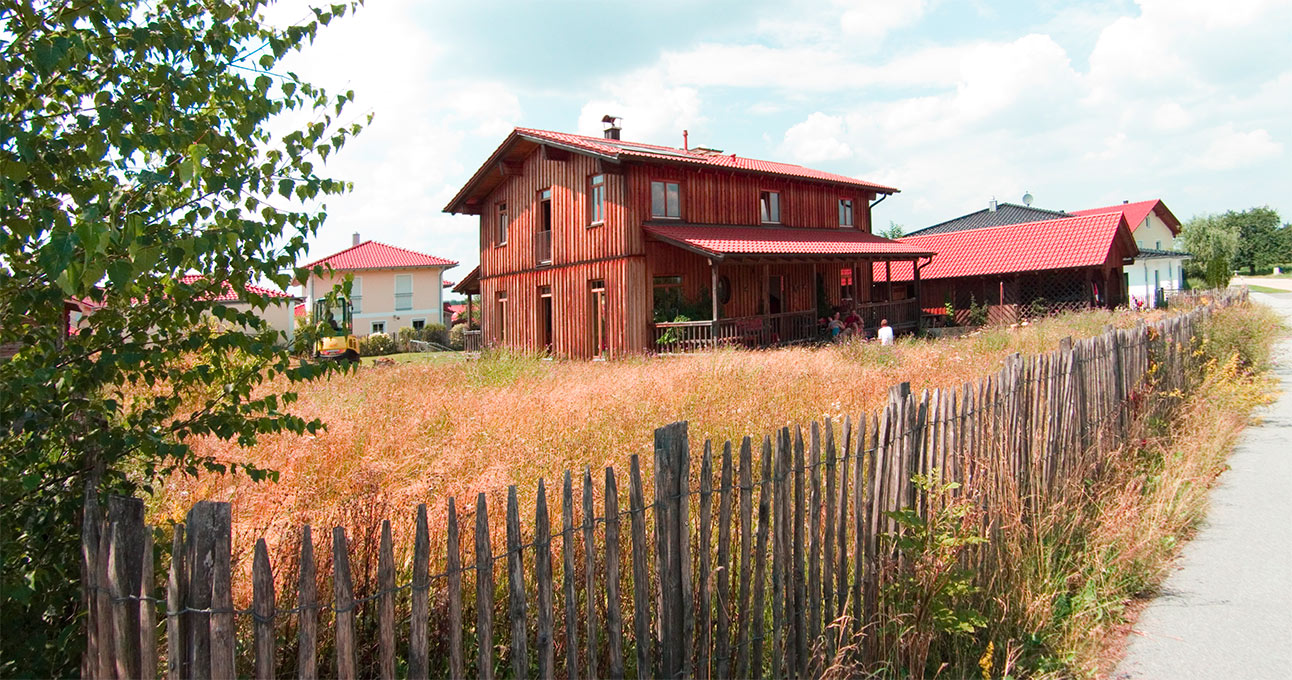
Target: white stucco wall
279,315
1146,274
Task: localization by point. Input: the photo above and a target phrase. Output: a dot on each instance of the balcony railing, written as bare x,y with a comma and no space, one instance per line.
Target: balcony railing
543,247
472,341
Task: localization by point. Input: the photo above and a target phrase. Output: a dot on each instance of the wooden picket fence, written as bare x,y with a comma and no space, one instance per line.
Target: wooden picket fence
794,577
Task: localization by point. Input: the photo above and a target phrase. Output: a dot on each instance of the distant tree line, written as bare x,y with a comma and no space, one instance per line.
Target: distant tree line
1253,240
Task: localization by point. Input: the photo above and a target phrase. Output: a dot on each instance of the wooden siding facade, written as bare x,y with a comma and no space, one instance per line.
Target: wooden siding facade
616,251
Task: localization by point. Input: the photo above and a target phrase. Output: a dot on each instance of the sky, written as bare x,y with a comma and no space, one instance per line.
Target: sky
1082,104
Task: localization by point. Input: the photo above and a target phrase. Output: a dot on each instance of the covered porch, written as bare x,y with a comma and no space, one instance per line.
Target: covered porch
769,286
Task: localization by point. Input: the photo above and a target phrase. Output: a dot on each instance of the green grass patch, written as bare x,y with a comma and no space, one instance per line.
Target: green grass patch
1266,289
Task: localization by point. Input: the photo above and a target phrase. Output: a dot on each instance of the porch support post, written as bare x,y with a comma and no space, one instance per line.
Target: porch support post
812,283
888,275
919,301
471,310
713,296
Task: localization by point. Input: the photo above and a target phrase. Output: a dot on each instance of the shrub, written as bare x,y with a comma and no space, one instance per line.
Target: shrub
376,344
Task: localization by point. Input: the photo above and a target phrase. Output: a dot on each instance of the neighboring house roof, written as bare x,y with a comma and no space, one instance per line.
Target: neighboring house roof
722,241
374,255
1157,254
1004,214
1136,212
299,309
1072,242
522,141
230,296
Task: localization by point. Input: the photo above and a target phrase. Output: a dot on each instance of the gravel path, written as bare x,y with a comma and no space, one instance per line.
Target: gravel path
1226,612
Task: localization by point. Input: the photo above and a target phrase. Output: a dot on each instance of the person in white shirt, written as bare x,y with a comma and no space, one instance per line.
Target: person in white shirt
885,333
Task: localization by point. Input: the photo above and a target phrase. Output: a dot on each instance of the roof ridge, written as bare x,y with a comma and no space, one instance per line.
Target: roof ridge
979,230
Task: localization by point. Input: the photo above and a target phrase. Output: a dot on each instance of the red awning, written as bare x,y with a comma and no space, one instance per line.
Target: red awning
720,242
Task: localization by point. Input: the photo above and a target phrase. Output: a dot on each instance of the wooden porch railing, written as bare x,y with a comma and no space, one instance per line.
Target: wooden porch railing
471,341
769,330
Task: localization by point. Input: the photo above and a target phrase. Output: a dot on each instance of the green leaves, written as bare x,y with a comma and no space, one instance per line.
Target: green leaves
134,150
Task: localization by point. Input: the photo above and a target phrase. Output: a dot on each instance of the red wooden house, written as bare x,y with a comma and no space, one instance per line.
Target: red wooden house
596,246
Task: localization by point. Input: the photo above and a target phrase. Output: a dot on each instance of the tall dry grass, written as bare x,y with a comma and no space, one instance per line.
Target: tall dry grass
408,434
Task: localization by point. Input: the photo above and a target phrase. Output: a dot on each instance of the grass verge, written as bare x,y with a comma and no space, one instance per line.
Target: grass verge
1082,569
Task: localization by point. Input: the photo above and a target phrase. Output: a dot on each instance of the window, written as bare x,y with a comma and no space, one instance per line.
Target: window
419,324
500,311
378,326
845,212
546,323
543,237
769,206
596,199
668,299
356,295
665,200
403,292
501,237
597,289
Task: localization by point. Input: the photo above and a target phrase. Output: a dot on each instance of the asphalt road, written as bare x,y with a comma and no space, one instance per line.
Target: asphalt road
1226,611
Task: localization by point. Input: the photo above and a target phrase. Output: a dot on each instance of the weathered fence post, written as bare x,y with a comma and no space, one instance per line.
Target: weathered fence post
206,521
672,471
125,531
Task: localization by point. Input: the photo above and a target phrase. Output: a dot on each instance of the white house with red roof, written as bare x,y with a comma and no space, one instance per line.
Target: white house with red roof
393,287
1159,266
278,313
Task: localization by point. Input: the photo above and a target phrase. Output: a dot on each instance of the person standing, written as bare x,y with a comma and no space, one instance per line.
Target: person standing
885,333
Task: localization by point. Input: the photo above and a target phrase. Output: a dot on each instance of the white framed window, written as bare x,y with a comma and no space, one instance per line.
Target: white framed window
419,324
356,295
845,212
403,292
665,200
769,207
378,326
596,199
500,237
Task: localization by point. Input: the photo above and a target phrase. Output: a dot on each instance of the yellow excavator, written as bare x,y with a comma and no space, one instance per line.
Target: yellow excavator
337,341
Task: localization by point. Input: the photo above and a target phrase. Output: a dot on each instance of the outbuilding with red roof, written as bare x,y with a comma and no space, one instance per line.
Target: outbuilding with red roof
392,287
1021,270
598,246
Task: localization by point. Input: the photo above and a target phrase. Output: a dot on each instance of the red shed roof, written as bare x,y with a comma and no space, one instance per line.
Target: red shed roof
230,296
1136,212
619,150
1071,242
722,241
374,255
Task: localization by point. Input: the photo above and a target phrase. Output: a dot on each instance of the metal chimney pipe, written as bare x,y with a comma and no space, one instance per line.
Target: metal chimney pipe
355,242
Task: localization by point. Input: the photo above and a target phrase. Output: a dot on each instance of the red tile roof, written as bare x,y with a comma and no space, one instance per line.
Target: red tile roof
615,148
230,296
1071,242
721,241
374,255
1136,212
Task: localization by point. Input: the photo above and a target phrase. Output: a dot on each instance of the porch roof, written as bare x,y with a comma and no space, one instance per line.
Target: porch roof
724,241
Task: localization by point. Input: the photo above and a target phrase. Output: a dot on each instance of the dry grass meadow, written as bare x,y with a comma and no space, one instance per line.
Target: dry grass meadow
410,433
419,433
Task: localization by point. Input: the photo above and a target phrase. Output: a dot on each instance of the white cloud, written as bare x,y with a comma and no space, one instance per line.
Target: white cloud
1230,149
652,109
819,138
874,19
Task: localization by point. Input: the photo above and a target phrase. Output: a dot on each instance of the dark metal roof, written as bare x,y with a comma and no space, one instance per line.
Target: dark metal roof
1004,214
1154,253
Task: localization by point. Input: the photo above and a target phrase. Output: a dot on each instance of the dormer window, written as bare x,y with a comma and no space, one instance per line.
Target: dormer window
665,200
845,212
769,206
